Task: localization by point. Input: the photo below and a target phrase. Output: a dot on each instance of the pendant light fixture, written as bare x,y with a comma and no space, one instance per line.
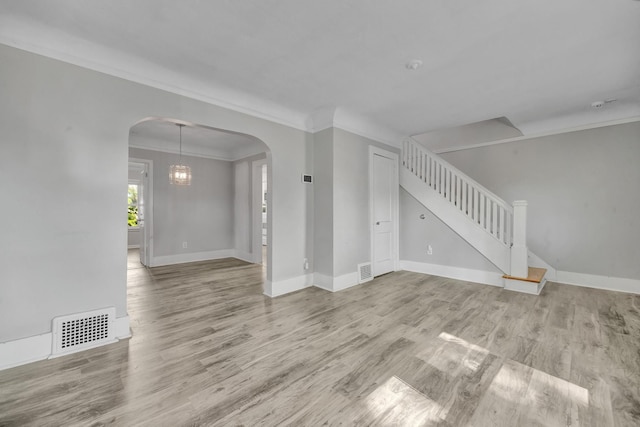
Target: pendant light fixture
180,174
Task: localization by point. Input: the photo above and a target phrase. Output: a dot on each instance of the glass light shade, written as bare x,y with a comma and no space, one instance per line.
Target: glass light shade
180,175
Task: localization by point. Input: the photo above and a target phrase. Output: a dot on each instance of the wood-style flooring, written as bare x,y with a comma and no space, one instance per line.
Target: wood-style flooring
406,349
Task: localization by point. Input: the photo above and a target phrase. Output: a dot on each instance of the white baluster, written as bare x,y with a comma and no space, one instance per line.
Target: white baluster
494,218
519,267
481,217
465,210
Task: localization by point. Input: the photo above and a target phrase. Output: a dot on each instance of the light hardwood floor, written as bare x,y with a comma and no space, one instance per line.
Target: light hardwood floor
405,349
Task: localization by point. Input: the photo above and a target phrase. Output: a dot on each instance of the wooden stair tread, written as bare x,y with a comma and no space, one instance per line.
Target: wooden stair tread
535,275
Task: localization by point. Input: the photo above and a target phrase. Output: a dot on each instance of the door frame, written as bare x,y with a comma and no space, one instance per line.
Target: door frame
146,238
395,210
256,232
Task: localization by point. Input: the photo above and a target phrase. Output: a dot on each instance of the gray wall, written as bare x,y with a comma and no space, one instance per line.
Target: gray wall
133,238
352,239
582,189
449,248
342,231
200,214
64,131
323,201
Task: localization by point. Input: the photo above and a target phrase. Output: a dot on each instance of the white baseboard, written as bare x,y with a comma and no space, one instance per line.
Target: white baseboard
323,281
335,284
25,350
618,284
345,281
244,256
158,261
281,287
459,273
32,349
122,329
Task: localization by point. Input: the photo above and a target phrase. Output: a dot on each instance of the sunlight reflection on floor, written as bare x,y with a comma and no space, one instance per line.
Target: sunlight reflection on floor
456,356
517,395
397,403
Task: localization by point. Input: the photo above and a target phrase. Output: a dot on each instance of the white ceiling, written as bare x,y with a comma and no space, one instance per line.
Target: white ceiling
310,63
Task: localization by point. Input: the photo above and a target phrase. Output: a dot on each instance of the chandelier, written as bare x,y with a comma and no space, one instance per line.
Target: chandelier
180,174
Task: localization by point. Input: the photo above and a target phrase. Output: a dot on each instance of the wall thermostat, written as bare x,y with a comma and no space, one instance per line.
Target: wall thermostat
307,179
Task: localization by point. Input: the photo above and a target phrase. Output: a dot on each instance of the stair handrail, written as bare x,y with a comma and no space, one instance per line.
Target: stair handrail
461,190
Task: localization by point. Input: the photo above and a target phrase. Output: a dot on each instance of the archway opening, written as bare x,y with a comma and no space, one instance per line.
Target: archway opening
215,216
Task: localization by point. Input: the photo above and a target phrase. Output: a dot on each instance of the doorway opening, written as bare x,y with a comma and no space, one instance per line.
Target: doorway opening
260,211
139,202
211,218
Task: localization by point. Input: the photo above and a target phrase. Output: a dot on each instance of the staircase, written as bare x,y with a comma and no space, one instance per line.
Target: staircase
492,226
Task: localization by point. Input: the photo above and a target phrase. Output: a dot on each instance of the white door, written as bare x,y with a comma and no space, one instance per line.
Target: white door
384,212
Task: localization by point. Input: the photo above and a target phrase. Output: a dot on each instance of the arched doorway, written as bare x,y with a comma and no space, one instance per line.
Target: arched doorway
214,216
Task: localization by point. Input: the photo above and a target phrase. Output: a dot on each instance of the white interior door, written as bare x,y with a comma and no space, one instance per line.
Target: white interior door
384,194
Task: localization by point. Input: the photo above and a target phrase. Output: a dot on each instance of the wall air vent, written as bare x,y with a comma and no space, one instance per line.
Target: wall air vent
81,331
364,272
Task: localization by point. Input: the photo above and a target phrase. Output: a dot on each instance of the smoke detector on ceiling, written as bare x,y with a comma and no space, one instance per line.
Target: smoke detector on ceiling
413,65
600,104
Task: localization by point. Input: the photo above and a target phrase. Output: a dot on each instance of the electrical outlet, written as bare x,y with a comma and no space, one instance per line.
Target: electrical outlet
306,264
429,250
184,245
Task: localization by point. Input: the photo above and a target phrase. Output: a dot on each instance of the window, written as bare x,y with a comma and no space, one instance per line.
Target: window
132,218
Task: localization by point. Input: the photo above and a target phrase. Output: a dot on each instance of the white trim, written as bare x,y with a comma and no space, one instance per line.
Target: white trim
38,347
281,287
133,246
218,95
121,328
395,186
192,257
335,284
256,209
458,273
524,286
25,350
323,281
345,281
243,255
539,135
618,284
243,103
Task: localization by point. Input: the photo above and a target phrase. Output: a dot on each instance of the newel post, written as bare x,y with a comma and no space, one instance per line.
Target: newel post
519,264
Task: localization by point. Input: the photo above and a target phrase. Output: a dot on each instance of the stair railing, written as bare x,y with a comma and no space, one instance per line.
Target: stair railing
480,205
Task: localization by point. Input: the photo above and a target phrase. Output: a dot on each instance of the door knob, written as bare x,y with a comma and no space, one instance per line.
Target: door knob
378,223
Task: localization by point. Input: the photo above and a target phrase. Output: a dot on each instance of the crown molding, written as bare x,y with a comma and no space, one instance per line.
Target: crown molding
139,71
